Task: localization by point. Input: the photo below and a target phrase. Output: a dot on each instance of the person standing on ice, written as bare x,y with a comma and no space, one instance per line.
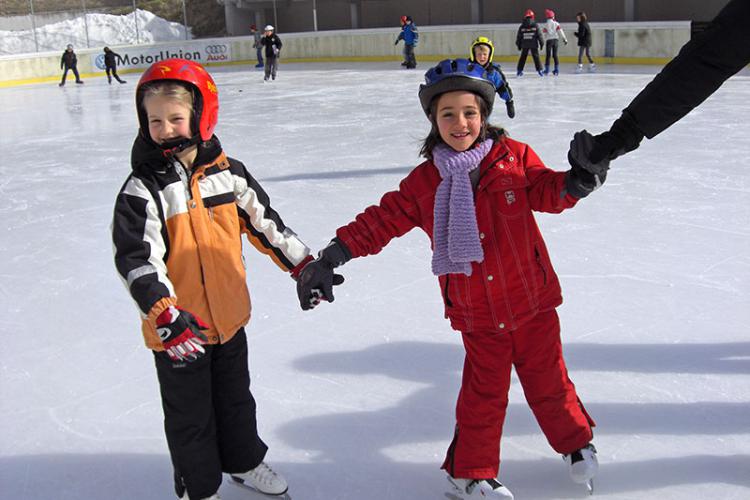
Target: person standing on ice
110,65
529,39
272,43
552,32
474,196
177,227
69,62
257,45
583,33
481,52
699,69
410,36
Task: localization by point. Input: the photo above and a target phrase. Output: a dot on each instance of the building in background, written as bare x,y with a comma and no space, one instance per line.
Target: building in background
313,15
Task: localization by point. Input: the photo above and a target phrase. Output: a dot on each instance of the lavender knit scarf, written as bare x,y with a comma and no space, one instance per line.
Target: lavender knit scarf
455,231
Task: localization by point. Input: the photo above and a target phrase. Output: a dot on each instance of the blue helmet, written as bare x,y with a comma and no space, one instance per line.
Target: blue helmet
456,74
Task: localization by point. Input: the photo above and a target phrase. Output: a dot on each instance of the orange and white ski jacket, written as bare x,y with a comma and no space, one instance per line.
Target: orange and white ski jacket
177,238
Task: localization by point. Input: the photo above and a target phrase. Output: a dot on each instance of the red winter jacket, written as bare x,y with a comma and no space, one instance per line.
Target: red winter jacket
516,280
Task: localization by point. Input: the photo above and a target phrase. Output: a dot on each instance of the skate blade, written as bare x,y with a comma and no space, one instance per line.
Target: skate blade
260,494
590,486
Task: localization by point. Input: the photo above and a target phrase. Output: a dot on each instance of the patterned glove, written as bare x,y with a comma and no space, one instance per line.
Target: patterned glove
317,279
180,332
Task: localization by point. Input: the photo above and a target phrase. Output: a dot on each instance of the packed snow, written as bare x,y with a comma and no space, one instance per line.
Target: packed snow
103,29
356,398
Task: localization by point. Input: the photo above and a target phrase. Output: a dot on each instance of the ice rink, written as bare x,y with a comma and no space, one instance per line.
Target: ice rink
356,398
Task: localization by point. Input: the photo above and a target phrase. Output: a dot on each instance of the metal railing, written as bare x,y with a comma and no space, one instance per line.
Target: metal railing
45,25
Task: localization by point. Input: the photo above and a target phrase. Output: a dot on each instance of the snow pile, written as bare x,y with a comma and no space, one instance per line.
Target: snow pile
103,29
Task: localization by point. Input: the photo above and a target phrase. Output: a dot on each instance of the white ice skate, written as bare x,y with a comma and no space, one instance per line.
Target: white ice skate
491,489
583,466
215,496
263,479
579,68
592,68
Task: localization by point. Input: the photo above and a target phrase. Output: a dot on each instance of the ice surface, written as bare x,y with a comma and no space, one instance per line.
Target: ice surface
356,398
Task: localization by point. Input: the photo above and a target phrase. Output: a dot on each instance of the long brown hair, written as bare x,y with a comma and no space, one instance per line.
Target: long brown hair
487,130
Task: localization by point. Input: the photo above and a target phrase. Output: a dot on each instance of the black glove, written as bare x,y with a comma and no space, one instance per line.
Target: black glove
510,108
396,42
624,136
180,332
316,280
580,152
584,177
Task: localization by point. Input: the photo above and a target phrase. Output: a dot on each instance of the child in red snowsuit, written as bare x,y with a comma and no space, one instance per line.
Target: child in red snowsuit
474,197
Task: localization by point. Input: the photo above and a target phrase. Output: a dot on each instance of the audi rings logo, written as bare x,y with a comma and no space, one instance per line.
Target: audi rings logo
216,49
218,52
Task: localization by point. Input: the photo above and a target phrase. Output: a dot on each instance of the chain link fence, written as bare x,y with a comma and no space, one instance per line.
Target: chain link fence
28,26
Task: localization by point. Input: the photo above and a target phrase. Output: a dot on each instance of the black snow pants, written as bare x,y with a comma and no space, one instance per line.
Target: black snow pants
209,416
524,55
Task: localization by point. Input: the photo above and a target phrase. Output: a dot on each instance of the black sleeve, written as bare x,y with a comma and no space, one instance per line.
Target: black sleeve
701,66
278,42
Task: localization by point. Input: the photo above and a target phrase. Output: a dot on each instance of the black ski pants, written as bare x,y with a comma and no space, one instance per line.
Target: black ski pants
525,54
113,71
551,51
74,69
209,416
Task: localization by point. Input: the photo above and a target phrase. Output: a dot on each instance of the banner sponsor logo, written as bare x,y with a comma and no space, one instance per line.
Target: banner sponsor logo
135,57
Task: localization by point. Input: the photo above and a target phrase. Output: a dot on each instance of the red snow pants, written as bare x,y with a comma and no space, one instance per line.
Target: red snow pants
536,352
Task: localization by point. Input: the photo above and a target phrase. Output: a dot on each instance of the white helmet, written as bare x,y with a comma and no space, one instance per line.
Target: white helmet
268,28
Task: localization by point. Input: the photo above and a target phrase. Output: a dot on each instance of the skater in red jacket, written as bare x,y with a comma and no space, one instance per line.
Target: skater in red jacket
474,196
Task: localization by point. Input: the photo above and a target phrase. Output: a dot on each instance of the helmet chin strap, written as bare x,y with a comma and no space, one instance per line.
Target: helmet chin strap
175,146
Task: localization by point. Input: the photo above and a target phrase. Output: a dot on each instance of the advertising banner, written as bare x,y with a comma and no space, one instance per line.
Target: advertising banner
143,57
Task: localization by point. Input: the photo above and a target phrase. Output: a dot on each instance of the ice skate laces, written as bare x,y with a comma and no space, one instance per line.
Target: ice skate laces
264,475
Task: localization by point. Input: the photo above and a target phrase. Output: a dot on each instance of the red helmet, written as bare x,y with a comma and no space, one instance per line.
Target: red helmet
403,20
549,13
529,13
200,83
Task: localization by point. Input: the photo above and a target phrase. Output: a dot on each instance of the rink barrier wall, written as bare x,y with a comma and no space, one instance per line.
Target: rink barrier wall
612,43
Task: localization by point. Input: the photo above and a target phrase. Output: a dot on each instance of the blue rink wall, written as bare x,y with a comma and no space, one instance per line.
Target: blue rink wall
624,43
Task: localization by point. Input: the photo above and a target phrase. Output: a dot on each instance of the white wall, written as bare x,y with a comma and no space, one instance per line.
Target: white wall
634,42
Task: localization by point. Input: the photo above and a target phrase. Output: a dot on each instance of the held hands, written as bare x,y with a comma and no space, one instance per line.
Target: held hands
317,279
180,332
584,176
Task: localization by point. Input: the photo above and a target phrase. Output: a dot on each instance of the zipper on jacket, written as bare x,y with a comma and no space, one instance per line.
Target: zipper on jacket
541,266
180,169
445,292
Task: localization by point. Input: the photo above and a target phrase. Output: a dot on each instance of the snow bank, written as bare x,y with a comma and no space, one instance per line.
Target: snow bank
103,29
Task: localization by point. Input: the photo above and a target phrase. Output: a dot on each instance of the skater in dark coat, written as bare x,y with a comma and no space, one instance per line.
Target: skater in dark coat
110,65
583,33
700,68
529,39
69,62
272,43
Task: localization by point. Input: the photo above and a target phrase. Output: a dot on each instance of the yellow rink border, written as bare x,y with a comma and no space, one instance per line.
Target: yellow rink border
431,58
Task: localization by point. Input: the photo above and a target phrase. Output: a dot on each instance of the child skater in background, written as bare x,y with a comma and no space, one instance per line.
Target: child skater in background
177,230
552,32
529,39
474,197
481,53
110,65
583,33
